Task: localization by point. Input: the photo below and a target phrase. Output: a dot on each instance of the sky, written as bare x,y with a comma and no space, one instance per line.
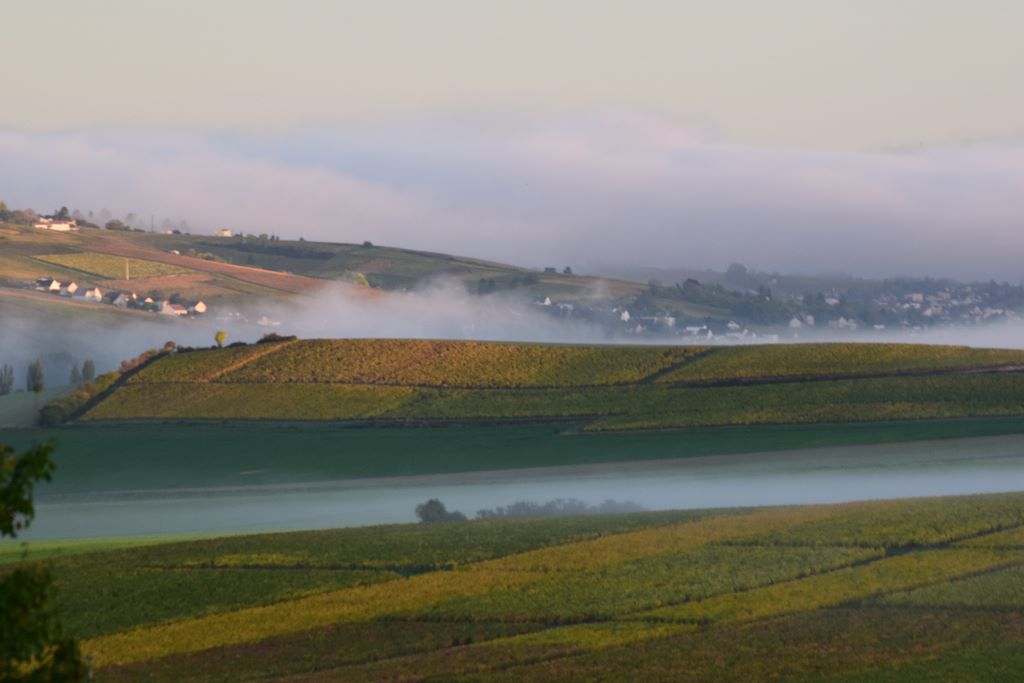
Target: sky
877,138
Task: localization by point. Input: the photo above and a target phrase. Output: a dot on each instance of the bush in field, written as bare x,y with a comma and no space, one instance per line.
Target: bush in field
61,410
435,511
274,337
220,337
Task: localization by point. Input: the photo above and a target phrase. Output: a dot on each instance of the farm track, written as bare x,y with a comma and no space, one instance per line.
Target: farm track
271,348
689,360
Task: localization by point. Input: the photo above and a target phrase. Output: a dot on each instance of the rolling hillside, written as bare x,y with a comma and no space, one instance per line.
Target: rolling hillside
911,590
598,387
234,269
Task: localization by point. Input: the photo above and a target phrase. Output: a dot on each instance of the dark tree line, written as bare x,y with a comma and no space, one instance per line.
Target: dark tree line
35,377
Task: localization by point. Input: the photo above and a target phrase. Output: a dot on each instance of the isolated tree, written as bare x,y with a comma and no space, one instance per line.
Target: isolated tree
115,224
76,375
34,378
567,271
33,646
6,380
220,337
62,214
88,370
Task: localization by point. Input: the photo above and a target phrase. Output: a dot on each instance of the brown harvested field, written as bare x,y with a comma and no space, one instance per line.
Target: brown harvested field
286,282
192,285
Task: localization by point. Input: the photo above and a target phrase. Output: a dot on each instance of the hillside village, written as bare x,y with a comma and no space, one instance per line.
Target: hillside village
652,313
119,299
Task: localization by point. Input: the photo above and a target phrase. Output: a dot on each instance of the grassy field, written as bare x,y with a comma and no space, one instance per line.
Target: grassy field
600,387
924,589
108,267
166,456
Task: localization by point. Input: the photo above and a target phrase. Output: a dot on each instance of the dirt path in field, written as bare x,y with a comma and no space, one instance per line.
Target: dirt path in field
285,282
271,348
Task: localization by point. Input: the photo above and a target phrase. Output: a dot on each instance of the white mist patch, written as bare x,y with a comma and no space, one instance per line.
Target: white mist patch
441,310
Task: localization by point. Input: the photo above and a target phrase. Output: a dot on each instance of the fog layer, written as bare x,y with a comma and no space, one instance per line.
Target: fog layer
606,187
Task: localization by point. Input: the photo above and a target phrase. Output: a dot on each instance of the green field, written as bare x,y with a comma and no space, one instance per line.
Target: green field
110,267
598,387
924,589
166,456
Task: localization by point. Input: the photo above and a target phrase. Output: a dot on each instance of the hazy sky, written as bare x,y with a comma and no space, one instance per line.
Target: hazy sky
879,137
823,73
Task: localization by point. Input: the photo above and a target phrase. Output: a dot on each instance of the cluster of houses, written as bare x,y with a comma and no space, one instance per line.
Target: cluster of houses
119,299
961,304
662,323
56,224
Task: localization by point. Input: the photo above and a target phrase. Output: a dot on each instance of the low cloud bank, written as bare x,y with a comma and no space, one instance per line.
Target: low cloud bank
592,188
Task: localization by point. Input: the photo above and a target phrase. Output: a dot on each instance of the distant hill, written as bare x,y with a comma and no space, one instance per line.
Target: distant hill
597,387
236,269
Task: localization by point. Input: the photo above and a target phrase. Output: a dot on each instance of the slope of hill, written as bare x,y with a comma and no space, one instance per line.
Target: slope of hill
600,387
924,589
116,261
236,268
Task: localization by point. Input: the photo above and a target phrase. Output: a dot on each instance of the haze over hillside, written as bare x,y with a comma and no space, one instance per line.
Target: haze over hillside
622,188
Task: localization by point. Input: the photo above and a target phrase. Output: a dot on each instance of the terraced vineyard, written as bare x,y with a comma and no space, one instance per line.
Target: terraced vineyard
923,589
602,387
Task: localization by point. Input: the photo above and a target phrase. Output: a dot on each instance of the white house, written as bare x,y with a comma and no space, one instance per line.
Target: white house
198,307
58,225
93,294
48,284
624,317
223,232
167,308
69,289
